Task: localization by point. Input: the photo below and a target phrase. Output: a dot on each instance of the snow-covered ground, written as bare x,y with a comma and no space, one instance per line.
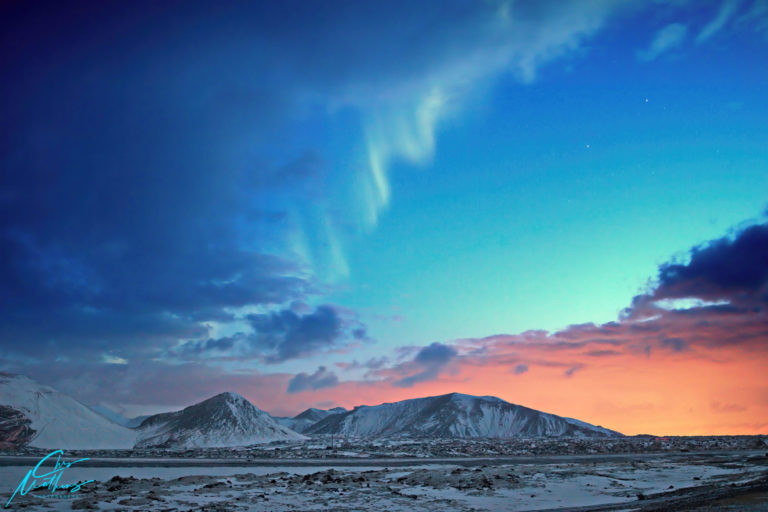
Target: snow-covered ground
589,482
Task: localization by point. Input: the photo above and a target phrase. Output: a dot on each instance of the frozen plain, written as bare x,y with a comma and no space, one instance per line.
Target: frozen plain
635,474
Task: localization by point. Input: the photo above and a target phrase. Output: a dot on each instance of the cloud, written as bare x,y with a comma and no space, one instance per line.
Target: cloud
713,304
757,15
727,10
374,363
727,408
602,353
111,359
431,360
573,369
281,335
675,344
456,52
287,335
643,356
322,378
732,269
666,39
435,354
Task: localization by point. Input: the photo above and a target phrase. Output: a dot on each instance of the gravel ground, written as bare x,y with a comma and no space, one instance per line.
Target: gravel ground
735,481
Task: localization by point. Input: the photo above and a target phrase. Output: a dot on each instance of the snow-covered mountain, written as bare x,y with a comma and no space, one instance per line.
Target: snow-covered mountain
306,419
36,415
584,424
453,415
116,417
227,419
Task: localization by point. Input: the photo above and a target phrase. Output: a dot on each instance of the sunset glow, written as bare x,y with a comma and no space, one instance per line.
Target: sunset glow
316,204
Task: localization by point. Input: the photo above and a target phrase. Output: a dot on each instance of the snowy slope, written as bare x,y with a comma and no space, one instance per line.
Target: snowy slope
227,419
42,417
453,415
116,417
306,419
580,423
135,422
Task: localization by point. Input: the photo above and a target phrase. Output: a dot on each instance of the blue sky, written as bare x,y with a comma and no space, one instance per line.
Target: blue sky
285,189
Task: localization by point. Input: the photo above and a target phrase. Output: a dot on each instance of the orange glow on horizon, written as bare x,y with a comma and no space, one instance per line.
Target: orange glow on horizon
717,393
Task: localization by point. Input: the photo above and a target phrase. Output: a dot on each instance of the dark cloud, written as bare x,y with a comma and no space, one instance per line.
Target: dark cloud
122,217
674,344
287,335
731,268
281,335
520,369
322,378
435,354
602,353
573,369
431,359
717,298
209,345
725,283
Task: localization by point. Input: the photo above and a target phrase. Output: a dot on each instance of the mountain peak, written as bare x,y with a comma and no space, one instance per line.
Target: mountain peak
229,396
226,419
463,396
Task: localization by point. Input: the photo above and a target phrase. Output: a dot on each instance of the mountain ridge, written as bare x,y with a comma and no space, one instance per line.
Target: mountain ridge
307,418
453,415
32,414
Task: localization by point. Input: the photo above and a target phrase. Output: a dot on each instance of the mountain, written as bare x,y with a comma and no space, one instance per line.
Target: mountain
39,416
598,428
453,415
227,419
117,418
306,419
135,422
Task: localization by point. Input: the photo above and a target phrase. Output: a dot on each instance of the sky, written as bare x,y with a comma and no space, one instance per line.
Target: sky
560,203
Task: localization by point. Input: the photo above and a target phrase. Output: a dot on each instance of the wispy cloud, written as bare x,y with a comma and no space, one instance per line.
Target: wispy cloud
457,54
666,39
724,15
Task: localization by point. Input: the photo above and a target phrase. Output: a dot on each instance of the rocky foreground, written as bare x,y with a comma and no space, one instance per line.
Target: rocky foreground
596,483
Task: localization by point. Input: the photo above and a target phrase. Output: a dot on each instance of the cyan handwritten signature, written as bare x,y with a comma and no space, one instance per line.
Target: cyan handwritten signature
36,479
